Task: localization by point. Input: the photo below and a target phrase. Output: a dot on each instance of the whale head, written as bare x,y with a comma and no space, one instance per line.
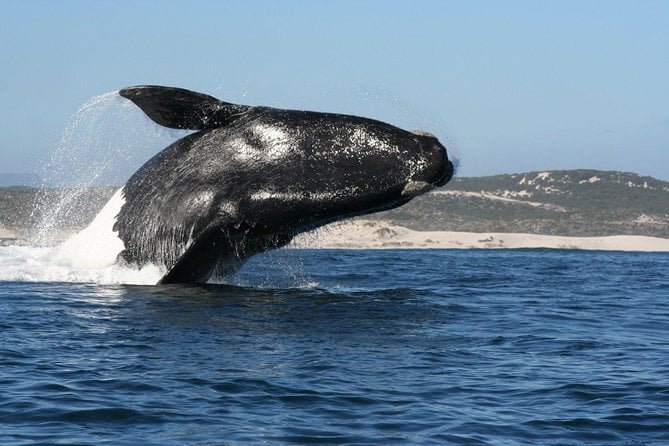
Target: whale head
309,170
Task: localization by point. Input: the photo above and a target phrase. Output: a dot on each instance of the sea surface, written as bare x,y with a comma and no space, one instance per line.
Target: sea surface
471,347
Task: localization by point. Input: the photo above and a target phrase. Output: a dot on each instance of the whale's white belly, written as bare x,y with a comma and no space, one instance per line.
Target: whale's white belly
98,245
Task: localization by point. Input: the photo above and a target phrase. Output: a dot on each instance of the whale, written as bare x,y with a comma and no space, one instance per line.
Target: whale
250,178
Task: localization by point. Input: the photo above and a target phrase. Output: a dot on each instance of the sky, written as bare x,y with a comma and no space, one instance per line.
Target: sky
507,86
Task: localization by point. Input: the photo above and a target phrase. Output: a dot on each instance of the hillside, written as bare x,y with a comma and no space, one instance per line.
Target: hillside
567,203
570,203
22,208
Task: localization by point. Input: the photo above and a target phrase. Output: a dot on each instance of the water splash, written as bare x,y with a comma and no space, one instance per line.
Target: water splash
380,103
39,264
105,141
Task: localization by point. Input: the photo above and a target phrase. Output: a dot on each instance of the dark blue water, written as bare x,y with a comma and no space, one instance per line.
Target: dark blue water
348,347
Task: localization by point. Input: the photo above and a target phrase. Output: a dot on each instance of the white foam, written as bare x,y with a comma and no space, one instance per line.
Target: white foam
98,245
37,264
88,256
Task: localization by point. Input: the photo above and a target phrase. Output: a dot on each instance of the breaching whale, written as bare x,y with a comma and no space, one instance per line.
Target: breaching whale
251,178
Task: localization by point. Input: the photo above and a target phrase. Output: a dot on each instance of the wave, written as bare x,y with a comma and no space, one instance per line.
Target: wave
48,264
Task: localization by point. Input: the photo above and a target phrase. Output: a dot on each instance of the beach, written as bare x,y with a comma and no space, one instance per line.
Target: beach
373,234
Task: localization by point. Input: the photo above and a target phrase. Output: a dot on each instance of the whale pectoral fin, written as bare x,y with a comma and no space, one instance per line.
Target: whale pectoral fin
199,261
182,109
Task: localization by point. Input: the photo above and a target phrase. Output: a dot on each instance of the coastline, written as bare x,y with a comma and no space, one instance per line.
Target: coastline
375,234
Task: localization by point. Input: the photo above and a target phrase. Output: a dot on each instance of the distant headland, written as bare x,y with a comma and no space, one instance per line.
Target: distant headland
586,209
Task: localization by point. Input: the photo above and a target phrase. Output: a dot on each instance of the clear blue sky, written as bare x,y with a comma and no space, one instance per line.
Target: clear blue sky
511,86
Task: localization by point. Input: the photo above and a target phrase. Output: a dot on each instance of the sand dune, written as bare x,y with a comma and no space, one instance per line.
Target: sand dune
379,234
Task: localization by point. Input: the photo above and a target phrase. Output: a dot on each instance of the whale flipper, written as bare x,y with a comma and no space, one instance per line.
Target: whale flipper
182,109
197,263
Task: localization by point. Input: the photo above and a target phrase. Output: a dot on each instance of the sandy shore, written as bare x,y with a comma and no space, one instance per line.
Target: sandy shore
7,235
379,234
366,234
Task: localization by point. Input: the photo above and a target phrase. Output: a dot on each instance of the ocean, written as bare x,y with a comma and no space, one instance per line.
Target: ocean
359,347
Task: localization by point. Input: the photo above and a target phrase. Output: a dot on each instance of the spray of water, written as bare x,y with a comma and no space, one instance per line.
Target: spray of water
380,103
106,140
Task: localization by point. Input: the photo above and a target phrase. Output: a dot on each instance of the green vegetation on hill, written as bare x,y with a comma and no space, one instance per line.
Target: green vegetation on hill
569,202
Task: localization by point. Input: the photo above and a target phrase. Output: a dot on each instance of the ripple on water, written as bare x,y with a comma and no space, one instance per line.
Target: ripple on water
435,347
